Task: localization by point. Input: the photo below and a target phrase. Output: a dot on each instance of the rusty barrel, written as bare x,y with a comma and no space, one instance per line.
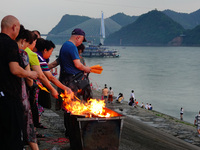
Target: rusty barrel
95,133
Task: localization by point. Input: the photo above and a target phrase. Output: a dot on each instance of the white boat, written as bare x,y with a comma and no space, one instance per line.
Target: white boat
99,51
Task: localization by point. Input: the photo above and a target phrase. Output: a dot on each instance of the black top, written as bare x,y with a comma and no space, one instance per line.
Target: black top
10,84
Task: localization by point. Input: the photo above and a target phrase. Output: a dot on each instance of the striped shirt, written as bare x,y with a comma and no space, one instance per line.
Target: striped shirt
43,63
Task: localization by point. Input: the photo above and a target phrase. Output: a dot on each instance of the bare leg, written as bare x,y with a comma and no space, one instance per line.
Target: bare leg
34,146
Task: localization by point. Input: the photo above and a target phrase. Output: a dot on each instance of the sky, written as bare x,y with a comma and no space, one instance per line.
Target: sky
43,15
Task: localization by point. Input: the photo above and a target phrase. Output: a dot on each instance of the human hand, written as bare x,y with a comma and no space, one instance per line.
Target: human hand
33,74
54,93
69,92
87,69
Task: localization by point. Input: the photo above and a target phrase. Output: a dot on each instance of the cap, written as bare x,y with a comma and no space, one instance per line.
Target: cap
79,31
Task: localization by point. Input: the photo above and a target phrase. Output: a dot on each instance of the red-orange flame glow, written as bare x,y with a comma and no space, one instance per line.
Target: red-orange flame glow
91,108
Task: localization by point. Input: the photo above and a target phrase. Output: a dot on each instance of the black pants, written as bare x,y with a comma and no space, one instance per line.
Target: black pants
11,124
67,123
33,104
66,80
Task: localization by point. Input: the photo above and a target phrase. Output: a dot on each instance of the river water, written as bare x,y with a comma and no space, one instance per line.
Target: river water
166,77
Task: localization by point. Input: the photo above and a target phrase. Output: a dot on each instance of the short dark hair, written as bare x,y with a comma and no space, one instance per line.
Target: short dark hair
51,44
25,34
34,36
37,32
81,47
40,44
43,44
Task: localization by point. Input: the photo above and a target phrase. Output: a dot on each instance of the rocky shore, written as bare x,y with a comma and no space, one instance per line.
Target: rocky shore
142,130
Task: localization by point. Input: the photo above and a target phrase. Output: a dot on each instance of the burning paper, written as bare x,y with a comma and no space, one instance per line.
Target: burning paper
90,108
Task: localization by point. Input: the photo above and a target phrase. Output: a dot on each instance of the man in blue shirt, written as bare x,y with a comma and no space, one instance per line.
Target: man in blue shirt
69,59
70,66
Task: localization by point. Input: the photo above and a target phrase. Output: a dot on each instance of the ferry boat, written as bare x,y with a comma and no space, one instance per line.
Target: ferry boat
100,50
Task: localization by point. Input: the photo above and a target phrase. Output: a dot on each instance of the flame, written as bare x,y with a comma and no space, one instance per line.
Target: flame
90,108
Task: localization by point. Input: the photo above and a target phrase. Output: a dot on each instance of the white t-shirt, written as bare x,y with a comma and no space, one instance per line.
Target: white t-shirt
181,111
111,92
133,95
149,107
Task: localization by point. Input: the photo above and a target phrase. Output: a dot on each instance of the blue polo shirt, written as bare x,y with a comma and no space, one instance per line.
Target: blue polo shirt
68,53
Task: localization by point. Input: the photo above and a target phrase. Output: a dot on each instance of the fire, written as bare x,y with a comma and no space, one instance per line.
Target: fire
90,108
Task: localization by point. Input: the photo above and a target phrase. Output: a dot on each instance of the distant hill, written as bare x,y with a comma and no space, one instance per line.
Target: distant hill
68,21
91,26
142,29
192,37
151,29
123,19
188,21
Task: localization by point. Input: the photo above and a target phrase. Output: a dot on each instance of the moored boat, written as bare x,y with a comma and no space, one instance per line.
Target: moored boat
99,51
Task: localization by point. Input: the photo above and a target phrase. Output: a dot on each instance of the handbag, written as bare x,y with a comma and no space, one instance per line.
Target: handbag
81,81
44,99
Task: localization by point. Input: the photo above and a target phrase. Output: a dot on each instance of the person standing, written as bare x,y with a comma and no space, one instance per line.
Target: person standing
110,95
70,67
132,97
87,91
11,107
197,123
44,51
105,93
23,40
37,110
181,113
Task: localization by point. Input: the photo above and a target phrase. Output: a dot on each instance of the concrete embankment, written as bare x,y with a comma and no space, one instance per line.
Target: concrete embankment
142,130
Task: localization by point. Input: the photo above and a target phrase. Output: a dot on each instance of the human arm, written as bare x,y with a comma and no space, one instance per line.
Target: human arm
45,81
53,64
29,81
55,81
17,70
80,66
195,121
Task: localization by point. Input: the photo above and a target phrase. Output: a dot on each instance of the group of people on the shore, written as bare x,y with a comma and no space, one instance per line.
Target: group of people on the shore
107,94
133,102
24,68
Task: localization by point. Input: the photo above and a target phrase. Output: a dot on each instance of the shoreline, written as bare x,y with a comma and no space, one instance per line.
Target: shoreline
142,129
155,112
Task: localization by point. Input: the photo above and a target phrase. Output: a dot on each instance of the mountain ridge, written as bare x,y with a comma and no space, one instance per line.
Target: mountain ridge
62,31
